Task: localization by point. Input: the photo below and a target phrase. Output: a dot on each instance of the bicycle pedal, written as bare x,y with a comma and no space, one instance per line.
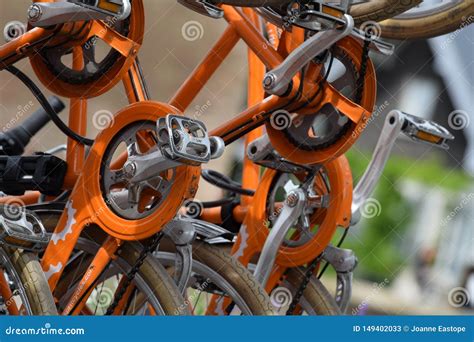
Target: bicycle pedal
184,140
116,8
425,131
20,228
203,7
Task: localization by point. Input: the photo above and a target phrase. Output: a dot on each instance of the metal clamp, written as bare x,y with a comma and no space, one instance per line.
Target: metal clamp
344,262
181,232
276,81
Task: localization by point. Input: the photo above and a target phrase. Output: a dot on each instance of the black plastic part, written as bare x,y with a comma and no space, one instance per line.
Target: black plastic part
41,172
227,217
14,141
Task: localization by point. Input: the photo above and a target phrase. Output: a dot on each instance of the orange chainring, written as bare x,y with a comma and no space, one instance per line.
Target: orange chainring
354,50
184,185
125,49
337,213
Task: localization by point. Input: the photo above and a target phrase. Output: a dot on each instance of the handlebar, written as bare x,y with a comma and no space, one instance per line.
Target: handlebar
13,142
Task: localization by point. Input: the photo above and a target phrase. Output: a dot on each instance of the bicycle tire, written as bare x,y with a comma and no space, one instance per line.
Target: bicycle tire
236,275
430,26
151,272
36,288
316,298
374,10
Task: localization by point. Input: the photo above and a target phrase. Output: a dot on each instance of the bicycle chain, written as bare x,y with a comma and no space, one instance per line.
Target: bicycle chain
133,272
311,268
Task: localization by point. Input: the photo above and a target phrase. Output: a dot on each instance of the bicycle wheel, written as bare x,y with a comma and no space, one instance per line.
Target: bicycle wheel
220,285
430,20
153,292
23,278
316,299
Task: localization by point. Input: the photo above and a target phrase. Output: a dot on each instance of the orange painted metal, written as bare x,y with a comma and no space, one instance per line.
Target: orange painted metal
252,37
127,46
75,153
85,286
254,231
87,205
255,94
203,72
7,295
359,114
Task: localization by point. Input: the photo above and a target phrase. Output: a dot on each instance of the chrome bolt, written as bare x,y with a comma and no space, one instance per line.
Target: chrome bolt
292,199
268,81
34,12
130,169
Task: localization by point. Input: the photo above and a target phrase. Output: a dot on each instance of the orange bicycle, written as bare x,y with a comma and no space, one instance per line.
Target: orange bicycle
129,183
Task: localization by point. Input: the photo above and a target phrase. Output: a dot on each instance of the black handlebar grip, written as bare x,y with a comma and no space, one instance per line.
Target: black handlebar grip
13,142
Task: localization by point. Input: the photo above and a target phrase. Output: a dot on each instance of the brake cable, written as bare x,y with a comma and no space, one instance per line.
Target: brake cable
47,107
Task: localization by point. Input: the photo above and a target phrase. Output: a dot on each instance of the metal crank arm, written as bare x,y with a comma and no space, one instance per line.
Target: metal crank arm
344,262
44,14
261,152
291,211
203,7
276,81
181,232
417,129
